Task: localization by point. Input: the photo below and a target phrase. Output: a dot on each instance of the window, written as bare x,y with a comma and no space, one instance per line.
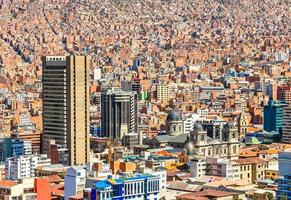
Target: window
234,149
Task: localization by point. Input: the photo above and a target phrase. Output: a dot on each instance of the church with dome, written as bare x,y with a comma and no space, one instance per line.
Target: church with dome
198,143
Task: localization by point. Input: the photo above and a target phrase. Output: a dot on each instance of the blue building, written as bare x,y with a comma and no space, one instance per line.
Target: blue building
139,187
284,159
10,147
284,186
273,116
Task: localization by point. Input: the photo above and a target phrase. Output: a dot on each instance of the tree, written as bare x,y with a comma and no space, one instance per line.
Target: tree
283,197
269,195
256,197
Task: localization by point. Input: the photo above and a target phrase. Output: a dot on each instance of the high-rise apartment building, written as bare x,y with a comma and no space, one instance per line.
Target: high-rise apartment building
273,115
286,133
163,92
118,113
66,105
284,93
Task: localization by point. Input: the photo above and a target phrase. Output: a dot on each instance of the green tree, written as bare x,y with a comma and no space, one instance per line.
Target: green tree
269,196
283,197
256,197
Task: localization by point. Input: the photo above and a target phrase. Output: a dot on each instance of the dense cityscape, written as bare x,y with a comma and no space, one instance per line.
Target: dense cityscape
145,99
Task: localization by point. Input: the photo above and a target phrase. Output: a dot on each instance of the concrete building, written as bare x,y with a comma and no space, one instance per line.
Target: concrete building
188,122
286,129
66,105
163,92
251,169
24,166
130,140
11,190
197,167
119,113
74,181
284,93
223,167
34,137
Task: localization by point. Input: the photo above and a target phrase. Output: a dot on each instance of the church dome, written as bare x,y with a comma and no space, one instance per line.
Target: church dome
174,115
198,126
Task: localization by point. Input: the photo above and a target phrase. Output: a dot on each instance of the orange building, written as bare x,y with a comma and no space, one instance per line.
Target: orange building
42,188
127,166
114,166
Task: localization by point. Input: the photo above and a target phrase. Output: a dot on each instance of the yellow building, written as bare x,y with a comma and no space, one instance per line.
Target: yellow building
66,105
163,92
251,169
271,174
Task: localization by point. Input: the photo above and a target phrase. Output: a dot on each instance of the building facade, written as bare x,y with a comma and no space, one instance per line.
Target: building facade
11,147
284,187
284,93
66,105
74,181
119,113
163,92
286,127
284,159
138,187
24,166
273,116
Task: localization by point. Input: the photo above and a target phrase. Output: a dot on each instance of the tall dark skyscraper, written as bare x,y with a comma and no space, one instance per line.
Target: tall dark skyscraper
119,113
66,105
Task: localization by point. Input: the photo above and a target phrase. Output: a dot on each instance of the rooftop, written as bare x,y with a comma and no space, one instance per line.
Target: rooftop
7,184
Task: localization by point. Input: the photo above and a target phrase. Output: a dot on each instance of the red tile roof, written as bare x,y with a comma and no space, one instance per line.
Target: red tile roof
7,183
246,161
